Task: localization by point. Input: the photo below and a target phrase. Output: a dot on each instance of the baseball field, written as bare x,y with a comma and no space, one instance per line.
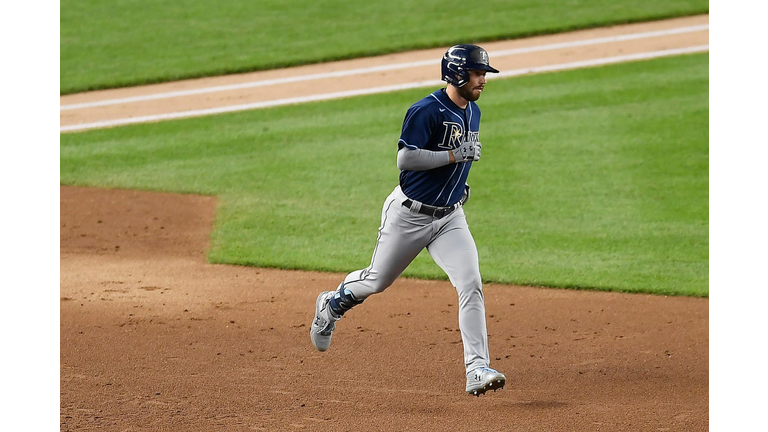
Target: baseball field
192,248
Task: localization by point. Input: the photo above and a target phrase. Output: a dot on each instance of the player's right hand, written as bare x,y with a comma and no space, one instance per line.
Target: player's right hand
478,147
466,152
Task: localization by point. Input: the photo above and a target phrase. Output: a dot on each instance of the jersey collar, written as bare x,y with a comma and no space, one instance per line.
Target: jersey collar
443,95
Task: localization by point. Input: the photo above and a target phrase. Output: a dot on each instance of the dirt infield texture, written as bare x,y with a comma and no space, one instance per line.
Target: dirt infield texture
153,338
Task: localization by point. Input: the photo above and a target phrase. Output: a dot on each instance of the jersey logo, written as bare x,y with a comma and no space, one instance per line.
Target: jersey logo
452,137
441,109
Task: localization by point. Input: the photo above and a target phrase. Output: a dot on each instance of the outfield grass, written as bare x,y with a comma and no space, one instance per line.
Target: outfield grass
129,42
592,178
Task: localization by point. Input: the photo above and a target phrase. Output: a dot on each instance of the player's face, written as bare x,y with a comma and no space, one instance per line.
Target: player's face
472,89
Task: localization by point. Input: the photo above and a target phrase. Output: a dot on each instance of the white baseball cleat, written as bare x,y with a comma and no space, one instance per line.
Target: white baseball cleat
483,379
325,321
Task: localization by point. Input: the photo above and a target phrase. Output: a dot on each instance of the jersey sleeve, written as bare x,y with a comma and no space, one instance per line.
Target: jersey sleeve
417,127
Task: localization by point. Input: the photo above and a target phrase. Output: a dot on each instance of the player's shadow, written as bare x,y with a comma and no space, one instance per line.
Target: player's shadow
538,404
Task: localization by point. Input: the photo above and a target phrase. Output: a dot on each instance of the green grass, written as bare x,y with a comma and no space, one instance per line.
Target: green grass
119,43
592,178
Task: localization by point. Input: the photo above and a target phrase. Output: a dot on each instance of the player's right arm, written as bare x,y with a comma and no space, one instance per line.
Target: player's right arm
417,159
418,126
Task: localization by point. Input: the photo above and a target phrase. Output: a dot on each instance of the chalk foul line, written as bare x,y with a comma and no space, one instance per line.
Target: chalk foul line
381,68
383,89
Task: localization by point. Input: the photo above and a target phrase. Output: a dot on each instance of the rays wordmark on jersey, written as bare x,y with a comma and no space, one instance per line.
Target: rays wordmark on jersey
453,135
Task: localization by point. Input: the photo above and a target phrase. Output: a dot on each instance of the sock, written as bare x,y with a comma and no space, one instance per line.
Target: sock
342,301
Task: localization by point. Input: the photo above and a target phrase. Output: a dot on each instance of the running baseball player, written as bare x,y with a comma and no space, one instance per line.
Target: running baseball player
438,144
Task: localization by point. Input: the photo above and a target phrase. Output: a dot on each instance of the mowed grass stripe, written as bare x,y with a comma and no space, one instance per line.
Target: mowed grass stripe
594,178
132,42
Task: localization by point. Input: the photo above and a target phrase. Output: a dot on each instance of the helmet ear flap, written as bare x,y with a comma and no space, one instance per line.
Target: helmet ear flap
462,77
454,73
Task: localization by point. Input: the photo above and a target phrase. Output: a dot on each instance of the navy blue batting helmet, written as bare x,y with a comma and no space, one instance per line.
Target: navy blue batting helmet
460,59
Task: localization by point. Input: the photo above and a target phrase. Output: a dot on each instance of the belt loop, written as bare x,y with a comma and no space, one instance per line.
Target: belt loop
415,206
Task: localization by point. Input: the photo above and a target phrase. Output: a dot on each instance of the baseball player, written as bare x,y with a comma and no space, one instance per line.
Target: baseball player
438,144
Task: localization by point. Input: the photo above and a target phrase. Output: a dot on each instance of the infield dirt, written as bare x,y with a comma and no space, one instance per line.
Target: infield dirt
153,338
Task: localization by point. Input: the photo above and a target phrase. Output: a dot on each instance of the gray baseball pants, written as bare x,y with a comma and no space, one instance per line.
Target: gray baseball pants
402,235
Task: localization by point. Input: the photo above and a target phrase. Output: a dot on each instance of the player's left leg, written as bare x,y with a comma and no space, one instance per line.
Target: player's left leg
454,250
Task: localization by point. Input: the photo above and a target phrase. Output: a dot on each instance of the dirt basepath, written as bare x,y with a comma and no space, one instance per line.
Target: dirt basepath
155,339
285,85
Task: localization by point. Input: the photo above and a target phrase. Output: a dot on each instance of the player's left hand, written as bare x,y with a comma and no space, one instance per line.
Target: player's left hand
478,147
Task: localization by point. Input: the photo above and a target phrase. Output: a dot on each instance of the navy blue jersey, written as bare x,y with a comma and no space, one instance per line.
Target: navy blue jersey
436,123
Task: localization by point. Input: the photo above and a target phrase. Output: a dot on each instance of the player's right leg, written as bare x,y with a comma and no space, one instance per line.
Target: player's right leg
324,322
402,235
